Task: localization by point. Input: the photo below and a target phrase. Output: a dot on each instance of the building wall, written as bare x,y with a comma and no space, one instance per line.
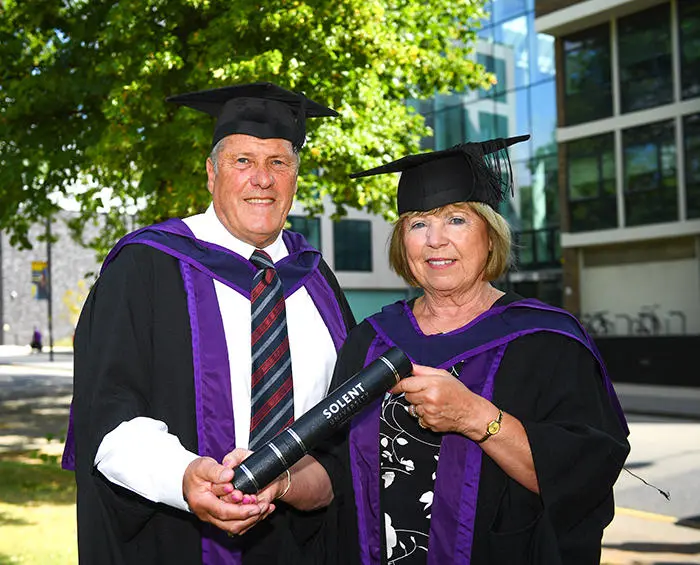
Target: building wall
622,126
72,273
547,6
667,290
629,179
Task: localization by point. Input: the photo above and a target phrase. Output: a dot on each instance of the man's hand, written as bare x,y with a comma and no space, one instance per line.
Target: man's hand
205,481
268,494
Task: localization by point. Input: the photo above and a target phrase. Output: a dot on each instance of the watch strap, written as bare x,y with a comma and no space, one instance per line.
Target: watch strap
493,423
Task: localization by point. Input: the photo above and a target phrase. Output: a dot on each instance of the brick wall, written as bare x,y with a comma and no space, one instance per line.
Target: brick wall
71,265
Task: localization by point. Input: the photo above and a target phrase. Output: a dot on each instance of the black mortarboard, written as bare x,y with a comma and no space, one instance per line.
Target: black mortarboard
260,109
468,172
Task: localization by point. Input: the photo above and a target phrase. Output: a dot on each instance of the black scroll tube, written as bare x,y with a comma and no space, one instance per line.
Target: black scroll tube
292,443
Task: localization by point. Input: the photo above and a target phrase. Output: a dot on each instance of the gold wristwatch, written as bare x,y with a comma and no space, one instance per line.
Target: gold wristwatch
493,427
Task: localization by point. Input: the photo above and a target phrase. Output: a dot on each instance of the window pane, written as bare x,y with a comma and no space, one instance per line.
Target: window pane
543,58
512,36
448,126
650,174
544,117
545,191
691,132
352,240
689,18
310,228
505,9
492,125
587,82
496,66
645,59
516,209
522,123
427,110
591,183
537,249
486,31
488,8
524,250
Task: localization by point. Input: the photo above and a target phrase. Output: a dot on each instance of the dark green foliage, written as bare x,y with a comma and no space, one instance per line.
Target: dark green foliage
83,83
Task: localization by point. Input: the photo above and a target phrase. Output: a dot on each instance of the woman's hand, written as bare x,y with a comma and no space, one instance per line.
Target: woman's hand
207,489
263,499
443,404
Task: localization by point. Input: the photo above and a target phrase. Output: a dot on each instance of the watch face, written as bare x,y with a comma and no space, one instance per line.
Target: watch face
493,427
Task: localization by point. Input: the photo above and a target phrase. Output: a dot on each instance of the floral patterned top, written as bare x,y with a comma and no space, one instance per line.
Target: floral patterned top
409,456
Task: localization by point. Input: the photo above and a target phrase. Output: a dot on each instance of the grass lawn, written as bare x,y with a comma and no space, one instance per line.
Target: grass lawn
37,511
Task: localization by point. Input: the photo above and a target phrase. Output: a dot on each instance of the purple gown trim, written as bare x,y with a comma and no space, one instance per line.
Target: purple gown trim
200,264
459,464
213,405
497,326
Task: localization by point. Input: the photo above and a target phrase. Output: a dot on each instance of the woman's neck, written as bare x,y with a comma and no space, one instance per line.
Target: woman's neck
438,313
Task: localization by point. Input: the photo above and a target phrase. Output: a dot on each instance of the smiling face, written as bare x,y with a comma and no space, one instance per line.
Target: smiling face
447,250
253,185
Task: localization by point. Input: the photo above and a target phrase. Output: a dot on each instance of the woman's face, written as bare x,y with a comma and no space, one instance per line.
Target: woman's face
447,250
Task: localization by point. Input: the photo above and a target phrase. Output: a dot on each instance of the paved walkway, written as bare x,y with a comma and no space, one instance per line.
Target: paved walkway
35,396
644,538
676,401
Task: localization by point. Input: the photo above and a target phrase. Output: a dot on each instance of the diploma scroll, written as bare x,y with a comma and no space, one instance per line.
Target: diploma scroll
292,443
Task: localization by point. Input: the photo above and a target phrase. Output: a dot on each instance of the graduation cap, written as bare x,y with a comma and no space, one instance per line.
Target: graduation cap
260,109
468,172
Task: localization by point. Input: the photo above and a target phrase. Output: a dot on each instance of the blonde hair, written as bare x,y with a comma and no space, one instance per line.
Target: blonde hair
499,257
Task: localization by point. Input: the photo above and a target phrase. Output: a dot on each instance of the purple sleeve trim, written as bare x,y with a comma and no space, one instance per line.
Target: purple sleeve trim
185,269
68,458
364,455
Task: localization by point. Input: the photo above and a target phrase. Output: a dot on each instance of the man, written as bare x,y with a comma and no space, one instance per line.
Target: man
165,351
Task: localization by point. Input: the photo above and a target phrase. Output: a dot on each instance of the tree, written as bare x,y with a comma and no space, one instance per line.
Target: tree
83,86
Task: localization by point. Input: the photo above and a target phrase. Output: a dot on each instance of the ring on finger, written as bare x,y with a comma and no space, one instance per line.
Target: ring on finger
412,410
421,423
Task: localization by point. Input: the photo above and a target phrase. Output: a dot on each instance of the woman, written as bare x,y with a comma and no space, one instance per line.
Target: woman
504,445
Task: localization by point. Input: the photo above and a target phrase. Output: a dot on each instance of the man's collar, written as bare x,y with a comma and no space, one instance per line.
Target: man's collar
216,232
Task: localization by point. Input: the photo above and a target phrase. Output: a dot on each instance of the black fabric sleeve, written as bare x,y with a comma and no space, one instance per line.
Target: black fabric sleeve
118,354
552,384
578,445
112,358
340,537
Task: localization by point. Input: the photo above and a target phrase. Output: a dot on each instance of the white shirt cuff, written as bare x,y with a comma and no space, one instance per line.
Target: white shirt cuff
140,455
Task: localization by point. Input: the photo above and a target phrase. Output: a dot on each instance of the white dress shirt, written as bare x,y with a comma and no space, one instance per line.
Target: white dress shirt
143,457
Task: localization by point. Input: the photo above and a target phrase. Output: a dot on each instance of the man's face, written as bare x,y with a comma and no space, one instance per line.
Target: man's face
253,186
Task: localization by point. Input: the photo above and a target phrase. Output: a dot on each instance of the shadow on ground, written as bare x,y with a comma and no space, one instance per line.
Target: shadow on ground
7,520
31,482
649,547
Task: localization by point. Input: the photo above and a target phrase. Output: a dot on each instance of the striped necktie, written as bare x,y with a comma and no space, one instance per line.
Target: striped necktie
272,401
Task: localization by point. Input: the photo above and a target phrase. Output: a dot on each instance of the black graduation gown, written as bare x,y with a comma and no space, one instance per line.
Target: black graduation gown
552,384
134,358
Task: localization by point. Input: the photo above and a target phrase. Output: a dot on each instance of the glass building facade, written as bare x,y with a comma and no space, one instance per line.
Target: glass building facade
634,161
523,101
